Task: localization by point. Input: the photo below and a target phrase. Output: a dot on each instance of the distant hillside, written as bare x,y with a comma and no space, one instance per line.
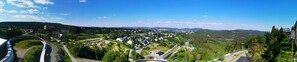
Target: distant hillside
34,25
226,34
203,33
39,27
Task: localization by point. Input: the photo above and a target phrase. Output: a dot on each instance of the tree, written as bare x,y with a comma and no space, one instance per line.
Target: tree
115,56
256,50
10,33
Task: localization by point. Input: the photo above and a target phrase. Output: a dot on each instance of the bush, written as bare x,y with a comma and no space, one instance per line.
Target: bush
115,56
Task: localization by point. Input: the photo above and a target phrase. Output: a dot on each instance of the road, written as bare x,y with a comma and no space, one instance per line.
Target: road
26,51
54,50
69,54
231,57
169,52
242,59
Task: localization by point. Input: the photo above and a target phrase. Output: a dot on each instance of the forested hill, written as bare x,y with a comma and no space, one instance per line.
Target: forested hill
34,25
227,34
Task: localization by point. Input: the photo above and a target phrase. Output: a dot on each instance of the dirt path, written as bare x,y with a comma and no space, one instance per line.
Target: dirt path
70,55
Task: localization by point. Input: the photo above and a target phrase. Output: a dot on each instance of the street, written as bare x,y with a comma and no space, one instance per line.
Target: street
232,57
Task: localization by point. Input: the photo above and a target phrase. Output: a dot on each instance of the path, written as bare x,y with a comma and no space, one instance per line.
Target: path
69,54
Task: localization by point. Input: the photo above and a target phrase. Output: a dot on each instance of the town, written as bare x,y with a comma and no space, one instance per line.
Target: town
56,42
148,30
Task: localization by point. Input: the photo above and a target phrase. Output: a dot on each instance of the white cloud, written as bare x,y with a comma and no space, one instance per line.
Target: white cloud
56,18
8,11
82,1
4,10
29,17
22,3
1,4
65,14
46,2
204,16
45,8
30,11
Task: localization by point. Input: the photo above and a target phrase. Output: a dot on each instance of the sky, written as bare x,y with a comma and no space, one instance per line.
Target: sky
208,14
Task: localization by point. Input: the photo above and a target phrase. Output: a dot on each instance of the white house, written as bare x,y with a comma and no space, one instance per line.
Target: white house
130,42
120,39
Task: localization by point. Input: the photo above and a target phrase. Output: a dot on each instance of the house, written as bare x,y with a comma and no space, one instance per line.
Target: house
147,37
156,53
64,31
130,42
161,38
146,42
125,38
156,39
120,39
28,30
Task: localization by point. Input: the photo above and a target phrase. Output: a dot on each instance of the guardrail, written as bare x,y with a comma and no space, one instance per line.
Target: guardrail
10,54
42,56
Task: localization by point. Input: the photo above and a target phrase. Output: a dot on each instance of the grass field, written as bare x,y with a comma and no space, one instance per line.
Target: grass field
27,43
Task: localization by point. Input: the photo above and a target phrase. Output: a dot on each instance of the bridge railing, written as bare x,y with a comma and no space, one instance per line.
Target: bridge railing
10,54
42,56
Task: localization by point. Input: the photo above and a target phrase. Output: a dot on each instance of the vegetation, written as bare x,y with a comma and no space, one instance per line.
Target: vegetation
4,33
184,55
208,44
33,55
211,44
80,50
273,46
114,56
27,43
135,55
64,55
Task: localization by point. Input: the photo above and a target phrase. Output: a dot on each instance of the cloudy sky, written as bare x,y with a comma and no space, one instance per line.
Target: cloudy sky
209,14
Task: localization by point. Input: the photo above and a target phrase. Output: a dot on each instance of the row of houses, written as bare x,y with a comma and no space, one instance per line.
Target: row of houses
145,38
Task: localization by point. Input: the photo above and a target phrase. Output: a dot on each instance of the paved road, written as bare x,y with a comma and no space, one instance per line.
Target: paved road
228,58
69,54
169,52
53,53
243,59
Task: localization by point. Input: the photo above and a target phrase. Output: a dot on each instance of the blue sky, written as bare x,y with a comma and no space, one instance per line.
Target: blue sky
209,14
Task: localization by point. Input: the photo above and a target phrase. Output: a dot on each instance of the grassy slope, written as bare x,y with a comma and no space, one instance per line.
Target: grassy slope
27,43
33,55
